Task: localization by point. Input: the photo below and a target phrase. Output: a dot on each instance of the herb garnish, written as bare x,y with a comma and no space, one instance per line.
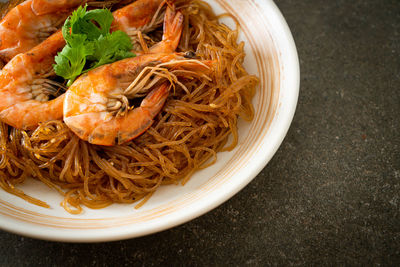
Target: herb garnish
90,43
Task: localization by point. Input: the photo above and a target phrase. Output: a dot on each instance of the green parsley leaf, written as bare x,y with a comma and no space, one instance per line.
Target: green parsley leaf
111,48
93,23
72,59
78,14
90,43
72,20
103,17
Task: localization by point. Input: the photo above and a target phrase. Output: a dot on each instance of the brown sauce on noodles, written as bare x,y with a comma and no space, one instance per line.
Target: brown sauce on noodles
185,137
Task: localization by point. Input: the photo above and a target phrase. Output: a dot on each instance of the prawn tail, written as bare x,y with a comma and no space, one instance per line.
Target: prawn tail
141,118
173,26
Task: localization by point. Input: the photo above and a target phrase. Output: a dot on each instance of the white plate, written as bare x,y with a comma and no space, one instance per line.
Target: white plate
271,54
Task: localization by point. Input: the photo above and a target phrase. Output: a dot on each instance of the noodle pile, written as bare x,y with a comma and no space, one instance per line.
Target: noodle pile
193,126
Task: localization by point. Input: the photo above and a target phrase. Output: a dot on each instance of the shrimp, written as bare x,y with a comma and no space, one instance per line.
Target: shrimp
32,21
96,106
21,29
173,26
144,16
94,103
25,89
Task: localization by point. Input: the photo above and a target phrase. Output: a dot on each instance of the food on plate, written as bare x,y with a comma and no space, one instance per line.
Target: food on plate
26,83
29,23
112,107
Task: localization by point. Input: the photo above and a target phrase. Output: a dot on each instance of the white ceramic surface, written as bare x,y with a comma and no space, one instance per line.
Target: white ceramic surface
271,54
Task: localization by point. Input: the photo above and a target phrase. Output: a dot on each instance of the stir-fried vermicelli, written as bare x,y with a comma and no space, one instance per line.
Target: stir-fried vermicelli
198,119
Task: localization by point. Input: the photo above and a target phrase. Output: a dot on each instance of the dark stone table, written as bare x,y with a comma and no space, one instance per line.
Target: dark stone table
331,194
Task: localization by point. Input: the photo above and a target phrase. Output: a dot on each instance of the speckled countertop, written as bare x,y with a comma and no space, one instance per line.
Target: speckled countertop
331,194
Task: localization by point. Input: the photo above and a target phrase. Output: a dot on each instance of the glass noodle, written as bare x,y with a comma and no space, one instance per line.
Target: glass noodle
193,126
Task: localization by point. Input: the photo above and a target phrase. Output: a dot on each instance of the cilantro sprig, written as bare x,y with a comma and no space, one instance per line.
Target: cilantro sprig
89,43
